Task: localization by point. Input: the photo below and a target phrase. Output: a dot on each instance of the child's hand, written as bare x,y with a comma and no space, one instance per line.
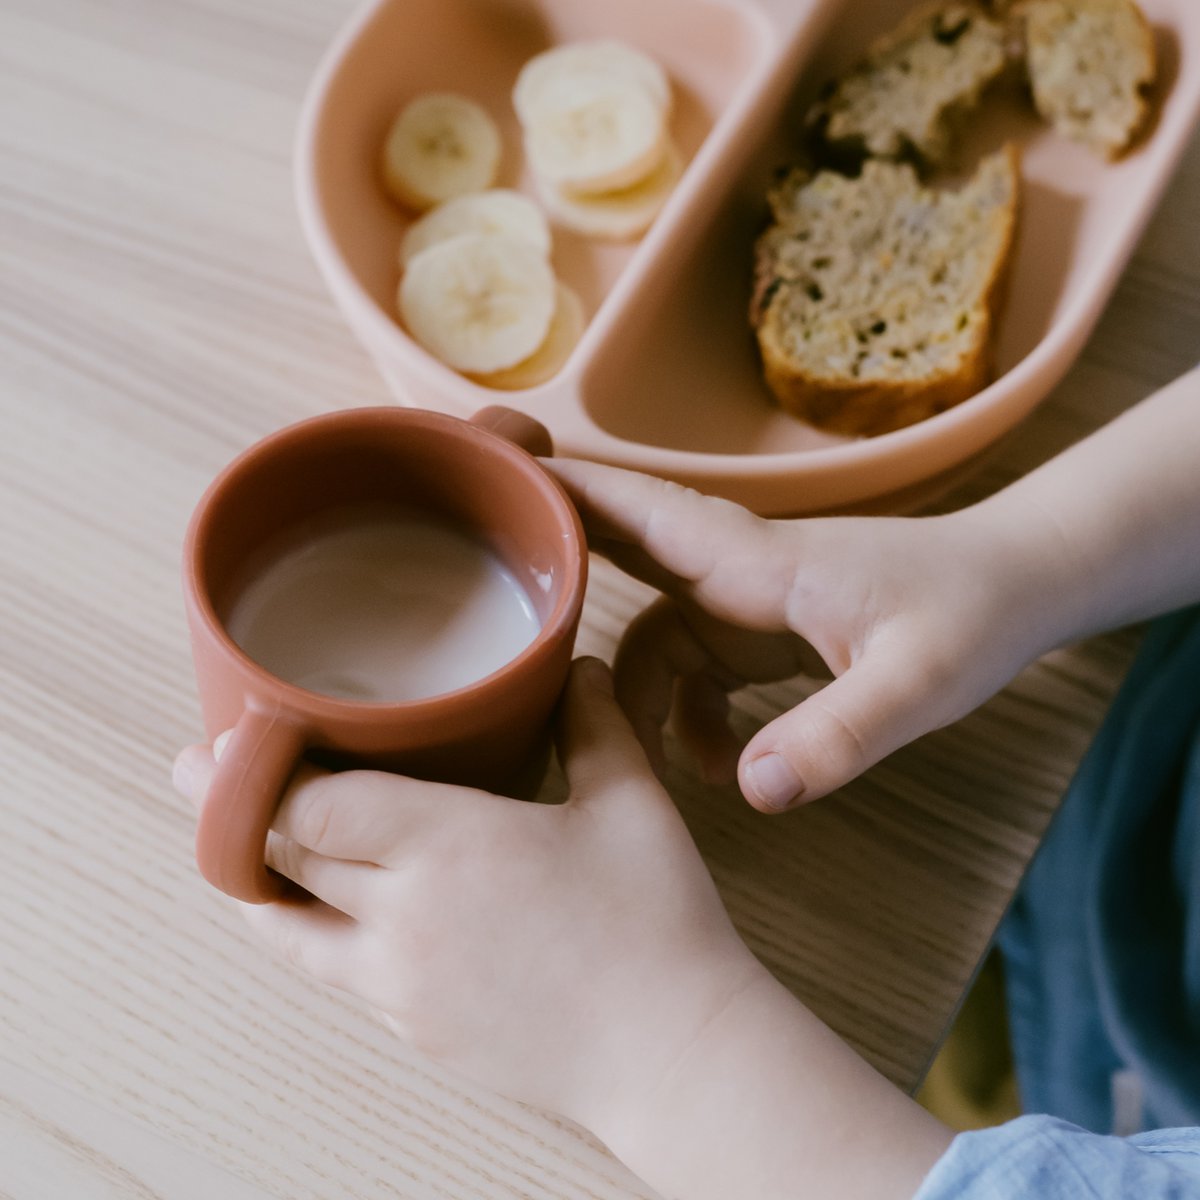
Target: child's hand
920,620
564,955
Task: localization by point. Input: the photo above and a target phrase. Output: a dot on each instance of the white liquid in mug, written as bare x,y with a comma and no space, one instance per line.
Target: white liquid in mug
381,604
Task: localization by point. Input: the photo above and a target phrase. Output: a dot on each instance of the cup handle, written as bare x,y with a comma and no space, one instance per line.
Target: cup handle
231,836
522,430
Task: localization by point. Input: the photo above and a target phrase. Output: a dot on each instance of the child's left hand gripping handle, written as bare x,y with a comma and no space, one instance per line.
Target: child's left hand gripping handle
249,782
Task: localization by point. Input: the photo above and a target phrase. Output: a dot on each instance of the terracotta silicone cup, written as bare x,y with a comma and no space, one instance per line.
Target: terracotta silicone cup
481,735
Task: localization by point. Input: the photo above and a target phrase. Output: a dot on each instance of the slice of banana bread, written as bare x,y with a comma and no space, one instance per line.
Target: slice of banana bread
875,297
907,96
1091,65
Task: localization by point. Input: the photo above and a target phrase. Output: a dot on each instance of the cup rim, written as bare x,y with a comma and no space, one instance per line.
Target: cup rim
559,622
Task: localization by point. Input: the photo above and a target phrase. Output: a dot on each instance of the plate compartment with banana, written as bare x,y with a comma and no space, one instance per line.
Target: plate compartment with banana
477,288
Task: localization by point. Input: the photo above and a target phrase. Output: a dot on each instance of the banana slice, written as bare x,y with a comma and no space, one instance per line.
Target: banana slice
499,210
441,145
605,57
615,215
566,328
480,302
592,133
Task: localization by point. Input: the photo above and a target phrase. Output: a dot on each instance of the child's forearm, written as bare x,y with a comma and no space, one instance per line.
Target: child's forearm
1115,520
768,1103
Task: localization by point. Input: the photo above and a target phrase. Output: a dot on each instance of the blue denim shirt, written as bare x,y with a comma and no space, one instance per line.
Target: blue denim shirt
1043,1158
1102,946
1102,959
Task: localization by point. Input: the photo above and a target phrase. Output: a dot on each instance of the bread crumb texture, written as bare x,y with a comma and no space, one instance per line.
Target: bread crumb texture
1091,65
875,297
916,83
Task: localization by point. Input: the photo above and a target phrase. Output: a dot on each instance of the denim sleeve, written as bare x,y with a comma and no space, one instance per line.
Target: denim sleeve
1042,1158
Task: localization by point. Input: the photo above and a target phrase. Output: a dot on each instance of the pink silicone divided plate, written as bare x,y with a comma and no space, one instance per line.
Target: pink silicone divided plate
665,378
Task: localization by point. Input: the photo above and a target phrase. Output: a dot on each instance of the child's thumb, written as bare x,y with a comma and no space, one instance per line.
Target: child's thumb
830,738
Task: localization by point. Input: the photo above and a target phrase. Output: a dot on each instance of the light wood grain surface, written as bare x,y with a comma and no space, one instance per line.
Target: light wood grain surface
159,312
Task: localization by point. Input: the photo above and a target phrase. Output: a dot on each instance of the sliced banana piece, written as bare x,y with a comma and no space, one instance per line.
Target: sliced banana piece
498,210
591,134
605,57
440,145
480,302
617,215
566,328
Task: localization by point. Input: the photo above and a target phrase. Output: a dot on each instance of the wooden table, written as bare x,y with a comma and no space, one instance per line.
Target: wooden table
159,313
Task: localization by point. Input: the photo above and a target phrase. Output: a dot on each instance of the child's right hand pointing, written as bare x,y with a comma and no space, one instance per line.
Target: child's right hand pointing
918,620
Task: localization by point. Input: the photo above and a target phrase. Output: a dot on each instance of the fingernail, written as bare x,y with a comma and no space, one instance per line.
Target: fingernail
774,781
182,776
219,744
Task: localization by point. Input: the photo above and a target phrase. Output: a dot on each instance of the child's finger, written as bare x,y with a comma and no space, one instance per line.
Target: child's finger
310,935
718,551
369,817
832,737
613,503
194,765
702,725
655,651
192,772
359,816
596,744
341,884
635,562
